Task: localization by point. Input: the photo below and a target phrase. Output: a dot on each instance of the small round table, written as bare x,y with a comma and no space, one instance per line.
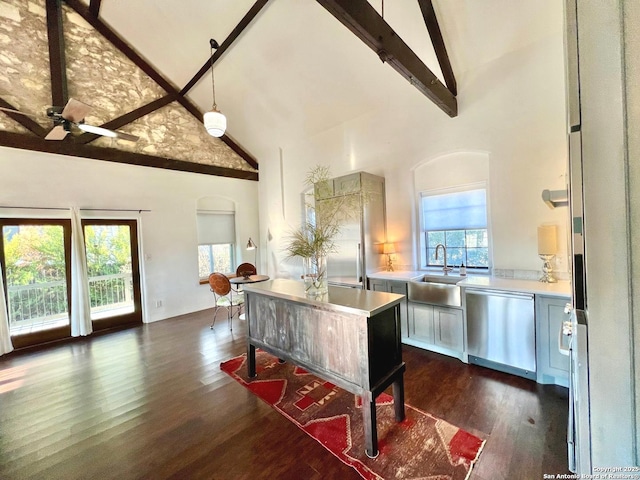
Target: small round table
249,279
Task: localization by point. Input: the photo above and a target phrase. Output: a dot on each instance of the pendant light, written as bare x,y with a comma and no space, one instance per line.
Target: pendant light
214,121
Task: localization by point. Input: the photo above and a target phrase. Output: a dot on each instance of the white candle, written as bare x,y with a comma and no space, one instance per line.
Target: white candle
547,240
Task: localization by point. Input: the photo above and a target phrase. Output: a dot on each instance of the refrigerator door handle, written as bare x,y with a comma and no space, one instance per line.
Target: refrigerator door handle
359,264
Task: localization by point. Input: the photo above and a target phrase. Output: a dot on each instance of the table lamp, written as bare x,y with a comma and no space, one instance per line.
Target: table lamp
547,249
388,249
252,246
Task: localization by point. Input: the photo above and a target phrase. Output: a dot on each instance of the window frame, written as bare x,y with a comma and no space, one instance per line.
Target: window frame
232,260
421,232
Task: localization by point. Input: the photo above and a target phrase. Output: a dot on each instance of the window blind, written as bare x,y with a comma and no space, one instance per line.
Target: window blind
216,227
455,211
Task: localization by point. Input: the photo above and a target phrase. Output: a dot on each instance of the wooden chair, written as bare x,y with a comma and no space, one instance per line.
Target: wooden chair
246,269
225,297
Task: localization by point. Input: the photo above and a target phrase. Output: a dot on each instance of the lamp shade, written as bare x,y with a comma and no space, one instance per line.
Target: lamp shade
215,122
251,245
547,240
389,248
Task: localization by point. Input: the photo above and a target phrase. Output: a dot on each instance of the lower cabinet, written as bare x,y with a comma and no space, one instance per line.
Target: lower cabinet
552,365
440,329
393,286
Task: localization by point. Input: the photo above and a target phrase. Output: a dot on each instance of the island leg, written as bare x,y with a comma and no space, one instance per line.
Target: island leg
370,428
398,397
251,360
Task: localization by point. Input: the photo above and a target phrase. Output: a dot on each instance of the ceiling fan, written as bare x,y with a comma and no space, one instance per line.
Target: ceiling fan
73,114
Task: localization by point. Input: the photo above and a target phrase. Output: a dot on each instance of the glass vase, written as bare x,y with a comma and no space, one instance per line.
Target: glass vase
315,275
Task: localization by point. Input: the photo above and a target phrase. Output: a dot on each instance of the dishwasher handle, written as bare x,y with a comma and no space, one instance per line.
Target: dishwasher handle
499,293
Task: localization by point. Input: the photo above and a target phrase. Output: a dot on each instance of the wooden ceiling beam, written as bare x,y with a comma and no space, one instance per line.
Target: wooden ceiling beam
28,142
363,20
127,118
235,33
94,8
57,61
431,21
82,10
31,125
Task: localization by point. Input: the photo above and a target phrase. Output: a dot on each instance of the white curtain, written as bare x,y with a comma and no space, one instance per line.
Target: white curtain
5,339
80,307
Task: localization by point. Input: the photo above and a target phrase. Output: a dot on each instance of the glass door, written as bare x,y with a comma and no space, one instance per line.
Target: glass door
36,258
114,275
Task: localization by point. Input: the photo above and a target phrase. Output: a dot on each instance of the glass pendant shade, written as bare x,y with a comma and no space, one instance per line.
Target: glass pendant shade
215,122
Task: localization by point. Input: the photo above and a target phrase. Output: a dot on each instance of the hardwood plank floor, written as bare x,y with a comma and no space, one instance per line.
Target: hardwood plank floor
151,402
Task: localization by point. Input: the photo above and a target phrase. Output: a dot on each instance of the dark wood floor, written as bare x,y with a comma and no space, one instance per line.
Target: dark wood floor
151,403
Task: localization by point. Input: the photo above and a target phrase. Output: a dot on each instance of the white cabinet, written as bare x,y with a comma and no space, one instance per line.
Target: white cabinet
435,328
449,329
552,366
393,286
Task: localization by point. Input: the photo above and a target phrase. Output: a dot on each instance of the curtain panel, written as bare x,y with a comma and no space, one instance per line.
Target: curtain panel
80,306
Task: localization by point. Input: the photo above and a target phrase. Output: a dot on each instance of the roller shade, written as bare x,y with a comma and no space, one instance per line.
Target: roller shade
455,211
216,227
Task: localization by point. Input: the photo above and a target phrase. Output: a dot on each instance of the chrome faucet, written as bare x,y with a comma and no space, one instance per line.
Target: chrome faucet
446,269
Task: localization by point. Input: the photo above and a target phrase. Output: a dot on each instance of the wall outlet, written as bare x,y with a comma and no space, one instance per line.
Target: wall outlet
158,303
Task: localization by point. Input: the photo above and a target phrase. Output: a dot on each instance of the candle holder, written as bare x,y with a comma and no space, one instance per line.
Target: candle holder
547,268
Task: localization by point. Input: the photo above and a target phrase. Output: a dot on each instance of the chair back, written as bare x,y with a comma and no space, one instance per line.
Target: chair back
219,283
246,269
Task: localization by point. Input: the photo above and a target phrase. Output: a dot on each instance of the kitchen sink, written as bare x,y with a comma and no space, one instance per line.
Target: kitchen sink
442,278
436,290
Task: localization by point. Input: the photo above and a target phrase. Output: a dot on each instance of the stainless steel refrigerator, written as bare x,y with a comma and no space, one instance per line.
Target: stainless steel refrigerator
362,235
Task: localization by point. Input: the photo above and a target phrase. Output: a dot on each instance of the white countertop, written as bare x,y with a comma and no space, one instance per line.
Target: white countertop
559,289
404,275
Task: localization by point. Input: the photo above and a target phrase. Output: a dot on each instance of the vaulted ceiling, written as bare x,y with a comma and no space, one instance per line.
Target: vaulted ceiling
286,69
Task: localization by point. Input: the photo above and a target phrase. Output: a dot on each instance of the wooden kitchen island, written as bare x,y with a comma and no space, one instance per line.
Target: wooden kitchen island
349,336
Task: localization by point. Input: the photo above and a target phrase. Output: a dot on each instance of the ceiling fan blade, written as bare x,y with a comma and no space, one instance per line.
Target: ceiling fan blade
106,132
57,133
12,110
75,110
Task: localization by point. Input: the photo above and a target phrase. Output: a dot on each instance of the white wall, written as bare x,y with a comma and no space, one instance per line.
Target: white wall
512,108
168,233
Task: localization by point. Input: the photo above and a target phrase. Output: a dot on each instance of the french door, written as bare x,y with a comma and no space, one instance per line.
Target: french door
114,276
36,260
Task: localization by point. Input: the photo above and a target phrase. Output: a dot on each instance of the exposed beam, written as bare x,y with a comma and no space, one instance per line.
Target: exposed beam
94,8
127,118
82,10
430,19
28,142
231,143
26,122
363,20
57,62
235,33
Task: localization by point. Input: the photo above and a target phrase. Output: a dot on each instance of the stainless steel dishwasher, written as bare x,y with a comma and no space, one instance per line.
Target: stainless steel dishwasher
501,332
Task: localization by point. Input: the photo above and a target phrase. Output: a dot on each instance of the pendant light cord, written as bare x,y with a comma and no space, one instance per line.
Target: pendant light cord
213,45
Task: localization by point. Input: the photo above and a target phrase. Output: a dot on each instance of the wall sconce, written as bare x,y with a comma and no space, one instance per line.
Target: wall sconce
388,249
547,249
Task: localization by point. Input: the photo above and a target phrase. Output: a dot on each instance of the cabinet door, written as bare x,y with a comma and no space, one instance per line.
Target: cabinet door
377,285
401,289
347,184
448,325
553,367
421,323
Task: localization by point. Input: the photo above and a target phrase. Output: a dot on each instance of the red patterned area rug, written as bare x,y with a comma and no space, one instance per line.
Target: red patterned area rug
421,446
